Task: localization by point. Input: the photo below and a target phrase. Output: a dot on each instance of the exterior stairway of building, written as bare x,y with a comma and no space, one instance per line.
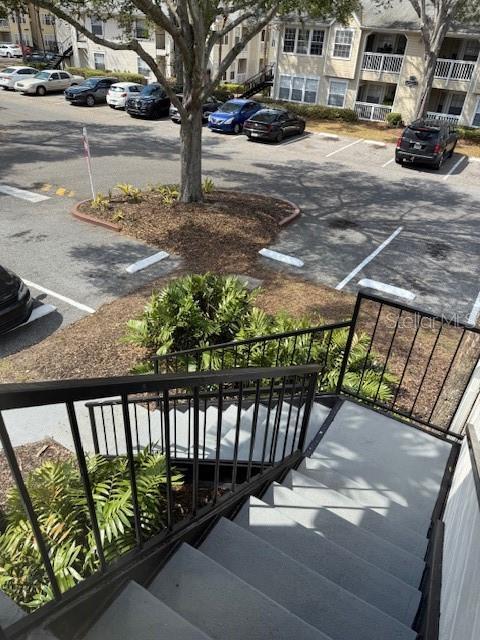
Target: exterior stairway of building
334,551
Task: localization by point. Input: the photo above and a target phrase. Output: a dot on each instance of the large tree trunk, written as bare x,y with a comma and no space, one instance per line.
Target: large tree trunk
426,82
191,156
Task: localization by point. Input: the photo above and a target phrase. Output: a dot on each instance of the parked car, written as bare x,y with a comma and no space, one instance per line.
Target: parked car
15,300
46,81
427,142
41,56
231,115
273,124
11,75
152,102
91,91
119,93
10,51
209,106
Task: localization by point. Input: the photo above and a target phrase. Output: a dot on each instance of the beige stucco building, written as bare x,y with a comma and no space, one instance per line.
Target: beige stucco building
37,27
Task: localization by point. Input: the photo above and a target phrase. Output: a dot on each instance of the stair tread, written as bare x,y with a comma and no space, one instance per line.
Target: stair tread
371,548
139,615
221,604
378,523
366,580
312,597
10,612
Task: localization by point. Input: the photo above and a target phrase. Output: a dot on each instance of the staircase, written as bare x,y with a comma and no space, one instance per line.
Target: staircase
310,558
259,81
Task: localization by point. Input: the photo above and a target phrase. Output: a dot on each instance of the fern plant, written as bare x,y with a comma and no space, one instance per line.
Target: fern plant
133,194
58,497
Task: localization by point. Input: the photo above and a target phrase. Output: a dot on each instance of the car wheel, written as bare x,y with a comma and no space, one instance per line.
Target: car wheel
9,55
302,129
90,101
398,161
236,128
279,136
439,163
41,91
452,150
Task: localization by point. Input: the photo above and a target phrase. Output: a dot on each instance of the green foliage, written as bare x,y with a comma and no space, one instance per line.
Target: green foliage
191,311
314,111
133,194
118,216
123,76
57,495
169,193
469,133
100,202
208,185
394,119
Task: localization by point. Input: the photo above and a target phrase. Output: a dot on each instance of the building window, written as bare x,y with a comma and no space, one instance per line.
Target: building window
472,49
97,26
238,32
336,93
225,39
141,30
232,75
143,67
303,41
48,19
262,36
99,61
342,47
298,89
476,117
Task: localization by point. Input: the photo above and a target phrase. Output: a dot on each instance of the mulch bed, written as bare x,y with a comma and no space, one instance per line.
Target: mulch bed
226,231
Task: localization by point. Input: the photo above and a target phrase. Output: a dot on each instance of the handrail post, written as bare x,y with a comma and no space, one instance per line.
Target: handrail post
348,344
312,386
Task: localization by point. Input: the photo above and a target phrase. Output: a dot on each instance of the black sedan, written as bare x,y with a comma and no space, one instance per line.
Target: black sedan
208,107
15,301
273,124
151,102
91,91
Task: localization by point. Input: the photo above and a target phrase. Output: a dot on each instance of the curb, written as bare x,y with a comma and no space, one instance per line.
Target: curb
84,217
284,221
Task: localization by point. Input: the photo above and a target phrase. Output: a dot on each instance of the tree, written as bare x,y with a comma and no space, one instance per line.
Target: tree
436,19
195,26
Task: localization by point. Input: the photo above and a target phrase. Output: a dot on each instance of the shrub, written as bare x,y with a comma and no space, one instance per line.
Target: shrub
169,193
100,202
469,133
58,498
208,185
314,111
394,119
133,194
124,76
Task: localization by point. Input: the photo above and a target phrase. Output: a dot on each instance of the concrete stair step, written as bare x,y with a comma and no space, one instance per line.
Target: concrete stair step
323,497
309,595
10,612
221,604
364,544
138,615
338,564
377,496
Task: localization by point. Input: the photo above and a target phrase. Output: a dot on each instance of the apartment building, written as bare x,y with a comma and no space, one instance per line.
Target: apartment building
374,63
37,28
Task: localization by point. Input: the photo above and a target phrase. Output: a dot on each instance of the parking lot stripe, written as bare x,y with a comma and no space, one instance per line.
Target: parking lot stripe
474,313
49,292
458,162
389,162
146,262
398,292
368,259
30,196
332,153
281,257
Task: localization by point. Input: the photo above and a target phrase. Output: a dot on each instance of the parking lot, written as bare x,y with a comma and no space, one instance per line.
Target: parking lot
363,216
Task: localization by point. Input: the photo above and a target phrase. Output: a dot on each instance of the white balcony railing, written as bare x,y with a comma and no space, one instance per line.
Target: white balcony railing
454,69
445,117
369,111
382,62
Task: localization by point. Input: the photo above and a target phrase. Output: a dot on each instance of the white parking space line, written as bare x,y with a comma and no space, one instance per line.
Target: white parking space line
332,153
457,164
30,196
368,259
398,292
474,313
146,262
49,292
281,257
388,162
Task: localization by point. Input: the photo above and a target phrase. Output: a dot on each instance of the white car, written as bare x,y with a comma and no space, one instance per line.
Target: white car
48,80
11,75
10,51
120,92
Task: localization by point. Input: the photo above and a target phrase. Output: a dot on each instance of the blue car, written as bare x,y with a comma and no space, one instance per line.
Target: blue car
230,117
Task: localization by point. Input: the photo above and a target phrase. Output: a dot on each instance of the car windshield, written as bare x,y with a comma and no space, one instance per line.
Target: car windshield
150,90
421,133
91,82
266,116
230,107
43,75
9,70
119,89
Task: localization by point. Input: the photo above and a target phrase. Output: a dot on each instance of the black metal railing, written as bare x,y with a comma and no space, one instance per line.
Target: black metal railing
428,360
258,81
257,419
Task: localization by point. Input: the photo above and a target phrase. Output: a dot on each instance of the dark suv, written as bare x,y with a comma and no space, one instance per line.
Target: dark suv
15,301
152,102
90,91
427,142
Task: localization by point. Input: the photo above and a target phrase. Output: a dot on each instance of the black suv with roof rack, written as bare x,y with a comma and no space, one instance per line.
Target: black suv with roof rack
426,142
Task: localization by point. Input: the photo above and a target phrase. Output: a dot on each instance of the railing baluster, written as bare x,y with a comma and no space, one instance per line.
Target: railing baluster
93,426
82,466
287,428
277,423
216,478
312,385
136,424
297,419
162,437
267,423
104,429
168,463
388,355
426,370
325,360
189,426
28,506
237,435
294,349
365,362
204,426
114,427
149,428
253,431
131,468
196,445
399,386
175,428
429,419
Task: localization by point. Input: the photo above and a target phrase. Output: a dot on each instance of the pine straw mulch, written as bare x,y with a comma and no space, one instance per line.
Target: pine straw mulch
226,231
